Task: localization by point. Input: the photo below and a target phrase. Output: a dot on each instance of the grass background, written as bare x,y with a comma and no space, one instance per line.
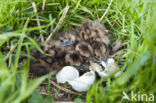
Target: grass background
132,21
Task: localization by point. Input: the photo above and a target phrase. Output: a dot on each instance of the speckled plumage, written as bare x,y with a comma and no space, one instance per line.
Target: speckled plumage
74,48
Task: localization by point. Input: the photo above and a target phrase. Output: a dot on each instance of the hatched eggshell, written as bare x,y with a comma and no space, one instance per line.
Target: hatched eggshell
95,67
111,66
103,64
67,73
102,74
110,60
83,83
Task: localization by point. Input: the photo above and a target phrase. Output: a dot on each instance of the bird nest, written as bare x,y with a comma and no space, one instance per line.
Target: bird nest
86,50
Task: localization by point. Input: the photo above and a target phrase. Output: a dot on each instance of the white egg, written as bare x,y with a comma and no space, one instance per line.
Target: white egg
83,83
67,73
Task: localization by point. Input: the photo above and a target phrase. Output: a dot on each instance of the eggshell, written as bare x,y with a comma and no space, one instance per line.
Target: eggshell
95,67
83,83
103,74
103,64
67,73
111,66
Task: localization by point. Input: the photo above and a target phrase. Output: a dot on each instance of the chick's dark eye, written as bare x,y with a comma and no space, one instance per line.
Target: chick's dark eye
96,31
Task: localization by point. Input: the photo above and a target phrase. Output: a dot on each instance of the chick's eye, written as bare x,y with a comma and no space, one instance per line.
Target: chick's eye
66,43
96,31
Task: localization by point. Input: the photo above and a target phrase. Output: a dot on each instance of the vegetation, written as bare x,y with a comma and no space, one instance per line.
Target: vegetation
132,21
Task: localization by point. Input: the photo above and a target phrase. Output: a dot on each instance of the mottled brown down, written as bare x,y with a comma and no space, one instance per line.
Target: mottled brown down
74,48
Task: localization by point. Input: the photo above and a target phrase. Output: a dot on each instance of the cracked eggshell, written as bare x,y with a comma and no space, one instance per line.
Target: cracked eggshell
111,66
67,73
103,74
83,83
103,64
97,68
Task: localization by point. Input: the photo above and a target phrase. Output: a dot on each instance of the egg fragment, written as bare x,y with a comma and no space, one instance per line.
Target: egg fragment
111,66
71,75
97,68
67,73
83,83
